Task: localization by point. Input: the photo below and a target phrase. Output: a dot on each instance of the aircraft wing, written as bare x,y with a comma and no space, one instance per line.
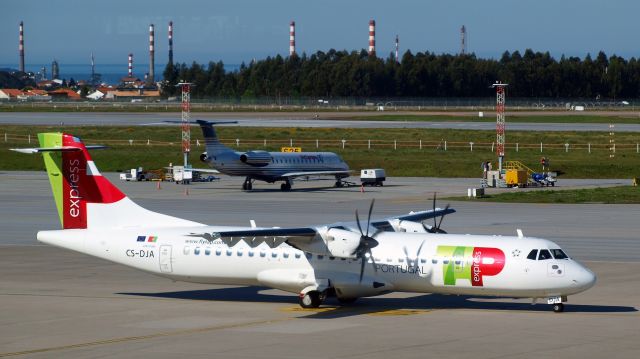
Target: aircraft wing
316,173
204,170
413,216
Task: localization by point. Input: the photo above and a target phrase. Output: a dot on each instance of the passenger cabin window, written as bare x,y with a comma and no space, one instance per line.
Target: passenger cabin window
207,251
196,251
544,254
533,254
559,254
185,250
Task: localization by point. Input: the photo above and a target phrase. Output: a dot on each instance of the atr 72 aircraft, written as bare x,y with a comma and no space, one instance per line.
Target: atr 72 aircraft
341,259
269,166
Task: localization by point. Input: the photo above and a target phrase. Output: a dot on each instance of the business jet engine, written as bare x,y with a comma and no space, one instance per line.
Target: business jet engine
256,158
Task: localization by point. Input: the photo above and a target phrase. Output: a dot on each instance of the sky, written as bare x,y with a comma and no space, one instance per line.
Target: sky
241,30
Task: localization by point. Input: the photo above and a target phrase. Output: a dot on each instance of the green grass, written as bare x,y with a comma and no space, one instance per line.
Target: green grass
407,160
473,117
606,195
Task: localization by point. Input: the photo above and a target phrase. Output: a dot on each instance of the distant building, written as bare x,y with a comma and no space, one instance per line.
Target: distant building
55,70
64,94
133,94
24,95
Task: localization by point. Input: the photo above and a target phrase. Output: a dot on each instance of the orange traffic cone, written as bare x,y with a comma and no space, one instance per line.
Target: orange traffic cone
158,185
362,188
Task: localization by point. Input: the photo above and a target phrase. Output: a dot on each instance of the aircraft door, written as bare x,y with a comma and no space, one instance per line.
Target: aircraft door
165,259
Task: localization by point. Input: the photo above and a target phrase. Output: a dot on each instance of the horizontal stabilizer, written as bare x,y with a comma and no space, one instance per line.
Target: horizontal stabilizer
55,149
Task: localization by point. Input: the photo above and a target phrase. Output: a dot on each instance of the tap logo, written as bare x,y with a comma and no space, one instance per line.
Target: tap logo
471,263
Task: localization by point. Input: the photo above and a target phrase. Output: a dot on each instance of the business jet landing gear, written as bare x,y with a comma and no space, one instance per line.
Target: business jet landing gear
311,299
247,185
558,308
286,186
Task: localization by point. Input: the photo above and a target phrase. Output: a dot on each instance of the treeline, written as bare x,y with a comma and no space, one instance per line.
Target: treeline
355,74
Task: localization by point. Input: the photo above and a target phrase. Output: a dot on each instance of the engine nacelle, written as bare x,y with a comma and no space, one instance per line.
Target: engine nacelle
256,158
349,286
342,243
407,226
204,157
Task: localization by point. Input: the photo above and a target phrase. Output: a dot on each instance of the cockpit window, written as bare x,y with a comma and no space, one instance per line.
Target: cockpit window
544,254
559,254
533,254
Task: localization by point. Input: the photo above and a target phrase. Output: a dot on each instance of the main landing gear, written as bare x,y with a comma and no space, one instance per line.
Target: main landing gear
311,299
248,184
286,186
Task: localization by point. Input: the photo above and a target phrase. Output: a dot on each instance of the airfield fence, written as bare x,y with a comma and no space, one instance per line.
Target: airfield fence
369,144
274,104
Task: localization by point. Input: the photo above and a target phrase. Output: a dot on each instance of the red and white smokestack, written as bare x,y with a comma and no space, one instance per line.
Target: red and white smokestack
21,46
130,65
151,53
372,38
397,49
171,42
292,38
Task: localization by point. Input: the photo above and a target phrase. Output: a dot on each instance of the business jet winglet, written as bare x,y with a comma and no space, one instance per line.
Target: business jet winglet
347,260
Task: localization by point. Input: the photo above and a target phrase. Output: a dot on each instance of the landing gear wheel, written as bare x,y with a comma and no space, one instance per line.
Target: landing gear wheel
347,301
249,186
558,308
310,299
338,184
285,187
244,186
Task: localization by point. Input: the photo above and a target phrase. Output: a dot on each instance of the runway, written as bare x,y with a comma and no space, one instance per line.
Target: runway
285,119
56,303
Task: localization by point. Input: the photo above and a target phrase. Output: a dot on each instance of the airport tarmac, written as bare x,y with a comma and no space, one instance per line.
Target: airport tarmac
56,303
297,119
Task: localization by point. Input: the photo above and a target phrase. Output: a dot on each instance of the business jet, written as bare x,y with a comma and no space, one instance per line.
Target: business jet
269,166
346,260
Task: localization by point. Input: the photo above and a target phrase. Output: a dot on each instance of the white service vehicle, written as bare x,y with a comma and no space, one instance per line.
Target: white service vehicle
373,177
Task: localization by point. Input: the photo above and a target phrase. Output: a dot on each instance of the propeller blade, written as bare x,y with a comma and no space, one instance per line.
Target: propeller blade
369,218
362,263
419,249
358,222
441,218
373,261
434,209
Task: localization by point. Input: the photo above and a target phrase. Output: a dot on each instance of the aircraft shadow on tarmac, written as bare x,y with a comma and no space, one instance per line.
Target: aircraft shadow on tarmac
424,302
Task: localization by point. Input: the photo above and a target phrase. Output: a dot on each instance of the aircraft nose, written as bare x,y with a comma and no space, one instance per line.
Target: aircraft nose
585,278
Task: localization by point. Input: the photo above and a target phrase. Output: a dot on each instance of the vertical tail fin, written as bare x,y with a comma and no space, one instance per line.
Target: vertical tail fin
211,140
84,198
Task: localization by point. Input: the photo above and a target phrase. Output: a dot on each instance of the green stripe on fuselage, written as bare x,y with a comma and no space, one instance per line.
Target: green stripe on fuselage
53,164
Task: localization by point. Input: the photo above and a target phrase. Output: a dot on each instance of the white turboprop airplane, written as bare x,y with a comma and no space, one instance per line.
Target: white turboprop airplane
269,166
401,254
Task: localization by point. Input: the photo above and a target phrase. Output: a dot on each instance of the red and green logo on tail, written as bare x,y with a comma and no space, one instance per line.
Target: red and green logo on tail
75,181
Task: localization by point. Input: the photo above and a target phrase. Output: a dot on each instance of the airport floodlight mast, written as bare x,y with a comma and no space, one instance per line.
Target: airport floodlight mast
500,122
186,117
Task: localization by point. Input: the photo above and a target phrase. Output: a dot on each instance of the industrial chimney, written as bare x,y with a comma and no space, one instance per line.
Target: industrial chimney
292,38
151,78
397,49
130,74
372,38
171,42
21,47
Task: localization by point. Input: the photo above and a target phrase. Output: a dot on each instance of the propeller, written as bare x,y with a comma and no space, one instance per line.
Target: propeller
366,243
436,225
414,260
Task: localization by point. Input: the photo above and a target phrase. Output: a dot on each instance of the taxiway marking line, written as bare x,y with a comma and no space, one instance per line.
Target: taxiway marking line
144,337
